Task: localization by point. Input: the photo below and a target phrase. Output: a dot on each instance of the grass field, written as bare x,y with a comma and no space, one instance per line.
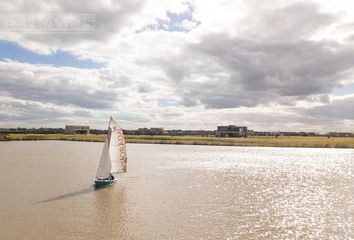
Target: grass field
318,142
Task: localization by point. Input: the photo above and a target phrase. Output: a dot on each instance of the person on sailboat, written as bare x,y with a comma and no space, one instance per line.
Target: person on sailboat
111,177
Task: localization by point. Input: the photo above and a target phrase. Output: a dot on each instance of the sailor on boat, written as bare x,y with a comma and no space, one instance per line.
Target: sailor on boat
110,177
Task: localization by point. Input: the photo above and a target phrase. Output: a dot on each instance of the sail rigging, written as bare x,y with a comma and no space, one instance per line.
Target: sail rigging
114,155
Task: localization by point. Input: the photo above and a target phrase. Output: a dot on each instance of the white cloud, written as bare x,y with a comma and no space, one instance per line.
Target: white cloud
243,62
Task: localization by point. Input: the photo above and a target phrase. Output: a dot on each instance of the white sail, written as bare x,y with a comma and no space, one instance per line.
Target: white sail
117,150
114,156
104,168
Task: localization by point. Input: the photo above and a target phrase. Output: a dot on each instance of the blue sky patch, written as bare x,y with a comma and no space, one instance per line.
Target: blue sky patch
15,52
174,23
162,102
341,91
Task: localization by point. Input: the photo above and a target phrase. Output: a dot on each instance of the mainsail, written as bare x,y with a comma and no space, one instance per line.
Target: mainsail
114,154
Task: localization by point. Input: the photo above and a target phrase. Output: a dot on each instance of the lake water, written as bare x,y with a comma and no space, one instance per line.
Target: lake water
176,192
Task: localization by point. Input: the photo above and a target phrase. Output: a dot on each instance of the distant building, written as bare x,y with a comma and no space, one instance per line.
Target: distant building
179,132
231,131
340,134
75,129
142,131
157,131
176,132
148,131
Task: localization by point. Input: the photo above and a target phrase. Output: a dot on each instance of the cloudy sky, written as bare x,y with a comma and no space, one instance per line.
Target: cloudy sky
194,64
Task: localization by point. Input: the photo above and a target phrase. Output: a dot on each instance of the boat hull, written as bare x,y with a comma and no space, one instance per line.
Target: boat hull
101,183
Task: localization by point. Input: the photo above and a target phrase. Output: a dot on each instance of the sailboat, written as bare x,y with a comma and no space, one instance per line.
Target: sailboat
113,157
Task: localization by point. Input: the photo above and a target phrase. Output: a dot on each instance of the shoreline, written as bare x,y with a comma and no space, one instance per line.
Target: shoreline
282,141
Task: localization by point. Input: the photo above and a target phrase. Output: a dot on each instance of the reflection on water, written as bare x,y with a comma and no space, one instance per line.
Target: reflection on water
110,208
176,192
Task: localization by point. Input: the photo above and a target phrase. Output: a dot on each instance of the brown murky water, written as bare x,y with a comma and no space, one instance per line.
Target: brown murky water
176,192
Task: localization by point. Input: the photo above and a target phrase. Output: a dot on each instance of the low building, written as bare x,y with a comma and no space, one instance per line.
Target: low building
142,131
231,131
340,134
157,131
148,131
76,129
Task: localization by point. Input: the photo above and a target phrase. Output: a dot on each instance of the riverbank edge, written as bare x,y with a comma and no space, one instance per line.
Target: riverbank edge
307,142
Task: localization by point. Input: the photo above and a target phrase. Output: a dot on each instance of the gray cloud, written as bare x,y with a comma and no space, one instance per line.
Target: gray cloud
299,20
64,86
281,65
110,19
35,113
341,108
327,117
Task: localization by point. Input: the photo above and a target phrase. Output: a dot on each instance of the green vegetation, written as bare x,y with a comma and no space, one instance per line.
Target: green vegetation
63,137
4,137
318,142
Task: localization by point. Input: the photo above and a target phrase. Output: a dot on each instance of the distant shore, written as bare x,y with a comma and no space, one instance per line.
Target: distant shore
281,141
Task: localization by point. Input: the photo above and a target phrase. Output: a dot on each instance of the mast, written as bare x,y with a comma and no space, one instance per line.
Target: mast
114,154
